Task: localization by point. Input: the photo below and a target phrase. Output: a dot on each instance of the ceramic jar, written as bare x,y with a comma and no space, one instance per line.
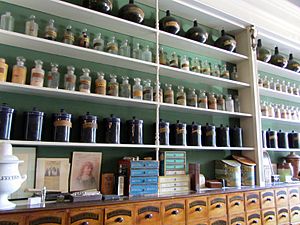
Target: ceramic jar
278,60
262,53
295,161
132,13
135,131
197,33
293,64
226,42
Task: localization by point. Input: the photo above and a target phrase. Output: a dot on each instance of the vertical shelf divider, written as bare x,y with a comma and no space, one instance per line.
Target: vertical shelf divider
157,87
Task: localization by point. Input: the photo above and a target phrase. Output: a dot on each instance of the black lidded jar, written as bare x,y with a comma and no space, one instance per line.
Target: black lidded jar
62,126
236,136
178,133
294,139
293,64
223,139
226,42
272,138
33,125
209,135
169,24
112,129
164,132
282,139
88,128
194,134
6,116
278,60
132,13
197,33
135,131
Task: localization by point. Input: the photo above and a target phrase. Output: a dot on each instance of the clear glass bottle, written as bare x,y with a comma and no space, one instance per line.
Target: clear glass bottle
3,70
202,100
169,94
260,81
277,111
216,71
288,113
163,59
147,54
196,65
283,112
31,27
70,79
212,101
271,110
174,60
290,88
84,39
205,68
224,72
85,81
7,22
237,105
112,46
185,63
278,85
98,43
125,88
19,71
294,113
284,87
229,103
51,31
272,84
125,49
100,84
69,37
137,52
37,74
148,91
266,83
234,74
113,86
221,102
137,89
264,109
180,96
295,89
160,90
192,98
53,77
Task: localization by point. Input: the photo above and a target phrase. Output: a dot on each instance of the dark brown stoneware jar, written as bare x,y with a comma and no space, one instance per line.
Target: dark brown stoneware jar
278,60
226,42
197,33
169,24
293,64
132,13
295,161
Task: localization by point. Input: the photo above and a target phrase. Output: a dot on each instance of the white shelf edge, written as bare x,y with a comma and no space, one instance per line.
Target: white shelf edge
278,94
284,121
206,148
282,149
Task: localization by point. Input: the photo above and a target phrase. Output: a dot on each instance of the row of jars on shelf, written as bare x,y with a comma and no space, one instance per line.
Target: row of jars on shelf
280,139
280,111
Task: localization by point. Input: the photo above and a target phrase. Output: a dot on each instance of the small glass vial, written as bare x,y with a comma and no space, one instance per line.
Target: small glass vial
3,70
212,101
229,104
31,27
147,54
271,110
278,86
185,63
98,43
202,100
100,84
69,37
288,113
192,98
264,109
137,52
295,89
125,88
169,94
148,91
260,81
290,88
205,68
277,111
112,46
113,86
174,60
196,65
160,90
84,39
284,87
137,89
85,81
70,79
53,77
237,105
272,84
234,74
19,71
266,83
216,71
7,22
221,102
180,96
125,49
224,72
283,112
163,57
294,114
51,31
37,74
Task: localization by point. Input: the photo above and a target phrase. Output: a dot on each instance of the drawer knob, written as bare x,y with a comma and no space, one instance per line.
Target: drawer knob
218,206
283,216
295,213
149,216
85,223
269,218
237,204
119,220
175,212
294,196
253,201
198,209
254,222
281,197
268,199
238,224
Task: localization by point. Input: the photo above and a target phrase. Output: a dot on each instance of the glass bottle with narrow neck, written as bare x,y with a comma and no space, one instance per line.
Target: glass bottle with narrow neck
31,27
237,105
125,88
290,88
125,49
148,91
266,83
224,72
264,109
98,42
234,74
70,79
196,65
112,46
216,71
100,84
69,37
295,89
202,100
192,98
84,39
174,60
37,74
137,52
229,104
137,89
147,54
181,96
284,87
160,91
185,63
163,59
113,86
169,94
272,84
3,70
212,101
53,76
85,81
19,71
205,68
221,105
51,31
7,22
260,81
278,85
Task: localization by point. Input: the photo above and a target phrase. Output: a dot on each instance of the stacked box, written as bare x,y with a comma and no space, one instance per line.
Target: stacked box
173,184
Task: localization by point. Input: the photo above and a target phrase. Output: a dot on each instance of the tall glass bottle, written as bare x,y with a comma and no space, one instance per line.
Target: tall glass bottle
160,90
185,63
148,90
163,59
53,76
169,94
37,74
137,89
98,42
174,60
51,31
202,100
69,37
70,79
112,46
125,88
212,101
19,71
85,81
137,52
221,105
205,68
3,70
125,49
84,39
113,86
234,74
7,22
147,54
181,96
100,84
224,72
196,65
192,98
31,27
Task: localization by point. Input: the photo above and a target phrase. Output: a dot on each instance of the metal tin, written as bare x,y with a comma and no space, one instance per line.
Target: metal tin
272,139
282,139
6,115
294,139
194,134
247,170
112,127
88,128
236,137
62,126
223,136
164,132
178,133
33,125
209,135
135,131
230,170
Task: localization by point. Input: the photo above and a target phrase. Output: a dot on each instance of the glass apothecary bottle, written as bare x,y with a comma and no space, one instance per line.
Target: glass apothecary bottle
192,98
185,63
100,84
278,85
181,96
278,59
37,74
202,100
98,42
234,74
113,86
271,110
112,46
196,65
284,87
137,52
283,112
163,58
85,81
272,84
31,27
216,71
290,88
260,81
174,60
69,37
288,113
224,72
3,70
7,22
137,89
221,103
84,39
266,83
205,68
264,109
51,31
212,101
147,54
53,77
160,91
237,105
19,71
262,53
125,49
277,111
169,94
70,79
229,104
125,88
148,91
295,89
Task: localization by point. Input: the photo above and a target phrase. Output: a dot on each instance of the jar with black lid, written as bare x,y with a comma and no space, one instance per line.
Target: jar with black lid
282,139
236,137
33,125
135,131
132,12
164,132
223,139
226,42
272,139
294,139
178,133
169,24
194,134
62,126
88,128
112,128
6,116
209,135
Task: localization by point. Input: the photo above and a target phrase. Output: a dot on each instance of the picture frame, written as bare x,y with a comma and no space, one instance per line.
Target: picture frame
85,171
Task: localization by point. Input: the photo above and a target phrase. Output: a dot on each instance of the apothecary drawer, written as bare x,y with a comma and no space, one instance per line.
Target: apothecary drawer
148,213
197,209
267,199
269,217
144,164
198,222
119,215
253,218
85,216
48,218
235,203
173,212
283,216
281,196
237,220
295,214
15,219
252,200
294,196
217,206
218,221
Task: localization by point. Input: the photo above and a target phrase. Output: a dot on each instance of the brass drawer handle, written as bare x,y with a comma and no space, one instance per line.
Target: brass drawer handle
149,216
253,201
175,212
218,206
254,222
283,216
237,204
295,213
85,223
294,196
238,224
269,218
281,197
268,199
119,220
198,209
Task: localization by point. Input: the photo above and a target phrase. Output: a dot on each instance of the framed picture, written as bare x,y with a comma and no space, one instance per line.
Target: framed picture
85,172
28,155
53,173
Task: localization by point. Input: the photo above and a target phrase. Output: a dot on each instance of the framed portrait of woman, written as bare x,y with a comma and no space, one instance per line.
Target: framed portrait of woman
85,171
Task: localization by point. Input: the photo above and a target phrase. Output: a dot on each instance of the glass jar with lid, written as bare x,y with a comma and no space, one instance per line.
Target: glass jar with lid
69,37
288,113
260,81
84,39
295,89
168,94
125,88
70,79
196,65
185,63
264,109
266,83
202,100
163,59
272,84
278,85
216,71
147,54
284,87
174,60
290,88
85,81
229,104
31,27
277,111
160,91
212,101
53,76
3,70
220,102
62,126
88,128
137,52
19,71
113,86
148,91
137,89
271,110
234,74
283,112
181,96
192,98
37,74
112,46
100,84
125,49
237,105
224,72
51,31
98,42
205,68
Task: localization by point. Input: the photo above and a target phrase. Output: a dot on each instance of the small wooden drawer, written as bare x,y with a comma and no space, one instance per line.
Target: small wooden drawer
281,196
253,218
197,209
294,196
283,216
218,221
235,203
148,213
217,206
295,214
119,215
237,219
173,212
269,217
49,218
198,222
252,200
85,216
14,219
267,199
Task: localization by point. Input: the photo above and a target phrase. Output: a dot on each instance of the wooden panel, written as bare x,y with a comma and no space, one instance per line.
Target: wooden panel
47,218
294,196
295,214
85,216
12,219
119,215
267,199
281,197
235,203
237,219
252,200
269,217
253,218
283,216
198,222
173,212
217,206
196,209
218,221
148,213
